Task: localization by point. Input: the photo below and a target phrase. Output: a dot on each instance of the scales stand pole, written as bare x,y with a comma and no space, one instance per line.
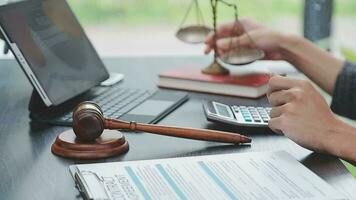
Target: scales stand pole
215,67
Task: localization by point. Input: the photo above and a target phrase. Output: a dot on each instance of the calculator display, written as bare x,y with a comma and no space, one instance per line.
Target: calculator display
222,110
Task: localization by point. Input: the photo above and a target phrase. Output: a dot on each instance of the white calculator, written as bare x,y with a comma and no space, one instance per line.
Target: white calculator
236,114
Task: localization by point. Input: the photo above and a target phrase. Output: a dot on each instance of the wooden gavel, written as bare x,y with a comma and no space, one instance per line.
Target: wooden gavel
89,123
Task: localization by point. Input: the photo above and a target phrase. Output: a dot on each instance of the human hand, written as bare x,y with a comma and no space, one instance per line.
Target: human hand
256,35
300,113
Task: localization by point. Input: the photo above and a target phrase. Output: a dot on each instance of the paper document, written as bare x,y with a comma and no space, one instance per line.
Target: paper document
265,175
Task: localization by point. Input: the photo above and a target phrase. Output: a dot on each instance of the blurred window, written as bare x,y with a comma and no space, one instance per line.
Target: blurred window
147,27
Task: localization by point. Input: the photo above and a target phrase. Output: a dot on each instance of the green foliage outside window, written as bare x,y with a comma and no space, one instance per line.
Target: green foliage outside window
137,12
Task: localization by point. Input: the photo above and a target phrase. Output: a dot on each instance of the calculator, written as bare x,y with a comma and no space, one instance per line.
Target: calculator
250,116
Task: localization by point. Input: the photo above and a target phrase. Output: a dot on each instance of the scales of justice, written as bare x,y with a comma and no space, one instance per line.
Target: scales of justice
197,33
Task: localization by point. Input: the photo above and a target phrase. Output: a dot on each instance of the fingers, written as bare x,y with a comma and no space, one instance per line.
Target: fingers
225,30
232,28
236,28
282,97
275,125
277,83
208,48
226,44
278,111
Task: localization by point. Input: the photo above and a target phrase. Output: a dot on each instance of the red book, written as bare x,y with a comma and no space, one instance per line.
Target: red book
252,86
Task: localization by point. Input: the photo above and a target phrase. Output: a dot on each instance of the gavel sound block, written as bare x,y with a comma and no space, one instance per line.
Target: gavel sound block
110,143
89,140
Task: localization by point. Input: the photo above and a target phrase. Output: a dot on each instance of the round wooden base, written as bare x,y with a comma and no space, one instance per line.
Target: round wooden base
110,143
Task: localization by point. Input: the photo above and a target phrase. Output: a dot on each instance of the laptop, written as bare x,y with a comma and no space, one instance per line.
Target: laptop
64,69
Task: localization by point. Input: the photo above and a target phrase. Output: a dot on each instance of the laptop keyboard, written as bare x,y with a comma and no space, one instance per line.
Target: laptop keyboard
117,101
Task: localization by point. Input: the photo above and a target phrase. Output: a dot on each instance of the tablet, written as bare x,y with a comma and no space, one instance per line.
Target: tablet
52,49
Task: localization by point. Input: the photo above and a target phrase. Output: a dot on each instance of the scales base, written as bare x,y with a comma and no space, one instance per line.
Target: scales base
215,68
110,143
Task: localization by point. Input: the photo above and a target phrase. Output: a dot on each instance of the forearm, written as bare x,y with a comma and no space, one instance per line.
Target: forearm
340,141
318,65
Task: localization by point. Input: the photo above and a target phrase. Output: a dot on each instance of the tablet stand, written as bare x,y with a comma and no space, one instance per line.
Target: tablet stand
36,104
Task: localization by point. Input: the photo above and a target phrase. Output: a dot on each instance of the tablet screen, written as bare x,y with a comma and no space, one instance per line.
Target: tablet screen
55,47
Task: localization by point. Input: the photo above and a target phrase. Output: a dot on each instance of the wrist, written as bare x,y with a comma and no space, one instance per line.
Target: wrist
288,45
340,140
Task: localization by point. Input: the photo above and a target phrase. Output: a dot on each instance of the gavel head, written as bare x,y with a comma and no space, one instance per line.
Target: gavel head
88,121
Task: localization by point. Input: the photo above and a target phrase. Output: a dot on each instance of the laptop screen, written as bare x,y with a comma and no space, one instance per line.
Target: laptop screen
55,47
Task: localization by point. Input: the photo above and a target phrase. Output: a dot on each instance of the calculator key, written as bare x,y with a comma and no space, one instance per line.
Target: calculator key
264,115
265,119
257,120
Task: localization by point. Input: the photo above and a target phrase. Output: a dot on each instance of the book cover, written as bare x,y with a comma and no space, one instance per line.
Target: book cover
191,78
195,74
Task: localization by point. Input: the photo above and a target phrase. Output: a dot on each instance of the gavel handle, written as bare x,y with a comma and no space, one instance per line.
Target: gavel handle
190,133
